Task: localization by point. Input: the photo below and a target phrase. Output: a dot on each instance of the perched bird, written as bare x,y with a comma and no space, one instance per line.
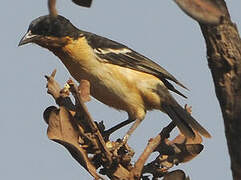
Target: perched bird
119,77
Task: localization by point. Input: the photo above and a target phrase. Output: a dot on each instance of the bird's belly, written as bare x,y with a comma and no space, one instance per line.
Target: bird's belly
113,89
123,88
118,87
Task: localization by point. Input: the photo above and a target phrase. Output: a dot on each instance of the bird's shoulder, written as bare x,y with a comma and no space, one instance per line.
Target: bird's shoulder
110,51
96,41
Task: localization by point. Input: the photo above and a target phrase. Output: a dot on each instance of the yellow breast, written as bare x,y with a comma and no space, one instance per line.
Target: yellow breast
119,87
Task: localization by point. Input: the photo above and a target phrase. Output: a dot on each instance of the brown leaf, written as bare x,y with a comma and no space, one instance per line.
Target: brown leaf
188,108
62,129
52,85
175,175
203,11
192,150
185,148
180,139
197,140
47,113
84,89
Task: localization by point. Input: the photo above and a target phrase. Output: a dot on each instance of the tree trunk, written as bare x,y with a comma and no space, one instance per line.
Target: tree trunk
224,60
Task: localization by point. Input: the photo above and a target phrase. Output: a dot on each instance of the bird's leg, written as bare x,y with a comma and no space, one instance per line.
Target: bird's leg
128,134
108,132
131,130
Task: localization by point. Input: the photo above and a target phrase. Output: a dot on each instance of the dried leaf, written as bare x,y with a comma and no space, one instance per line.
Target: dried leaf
52,85
179,150
180,139
192,150
47,113
175,175
62,129
84,88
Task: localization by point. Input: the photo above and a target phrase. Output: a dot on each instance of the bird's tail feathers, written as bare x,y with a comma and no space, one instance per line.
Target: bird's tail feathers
182,125
184,121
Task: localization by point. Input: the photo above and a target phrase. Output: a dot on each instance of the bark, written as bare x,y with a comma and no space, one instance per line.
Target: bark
224,60
204,11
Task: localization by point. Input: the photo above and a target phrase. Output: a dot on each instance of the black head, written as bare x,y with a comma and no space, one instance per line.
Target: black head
48,26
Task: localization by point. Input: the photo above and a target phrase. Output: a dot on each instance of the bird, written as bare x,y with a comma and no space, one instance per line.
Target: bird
119,76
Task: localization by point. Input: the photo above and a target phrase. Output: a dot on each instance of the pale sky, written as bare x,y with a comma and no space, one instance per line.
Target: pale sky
160,31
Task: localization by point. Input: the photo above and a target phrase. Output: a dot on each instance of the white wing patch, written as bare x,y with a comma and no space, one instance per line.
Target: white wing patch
109,50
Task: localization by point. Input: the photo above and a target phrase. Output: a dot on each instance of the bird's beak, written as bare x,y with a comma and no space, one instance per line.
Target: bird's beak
28,38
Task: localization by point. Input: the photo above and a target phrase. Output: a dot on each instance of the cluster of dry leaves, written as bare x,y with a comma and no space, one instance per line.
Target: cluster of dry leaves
71,125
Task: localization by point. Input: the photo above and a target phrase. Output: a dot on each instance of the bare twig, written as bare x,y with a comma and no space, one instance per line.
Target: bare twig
53,86
179,150
81,107
52,8
60,96
151,146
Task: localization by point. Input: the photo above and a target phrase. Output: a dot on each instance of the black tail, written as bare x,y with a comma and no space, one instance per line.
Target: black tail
184,121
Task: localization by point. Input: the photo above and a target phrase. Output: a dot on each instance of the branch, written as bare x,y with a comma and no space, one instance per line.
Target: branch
62,129
224,59
203,11
152,145
52,8
82,111
73,127
179,150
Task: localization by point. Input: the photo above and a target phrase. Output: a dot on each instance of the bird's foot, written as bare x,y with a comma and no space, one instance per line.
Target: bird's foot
121,144
106,135
125,139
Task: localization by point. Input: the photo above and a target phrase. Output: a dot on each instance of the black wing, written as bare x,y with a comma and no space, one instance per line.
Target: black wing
118,54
